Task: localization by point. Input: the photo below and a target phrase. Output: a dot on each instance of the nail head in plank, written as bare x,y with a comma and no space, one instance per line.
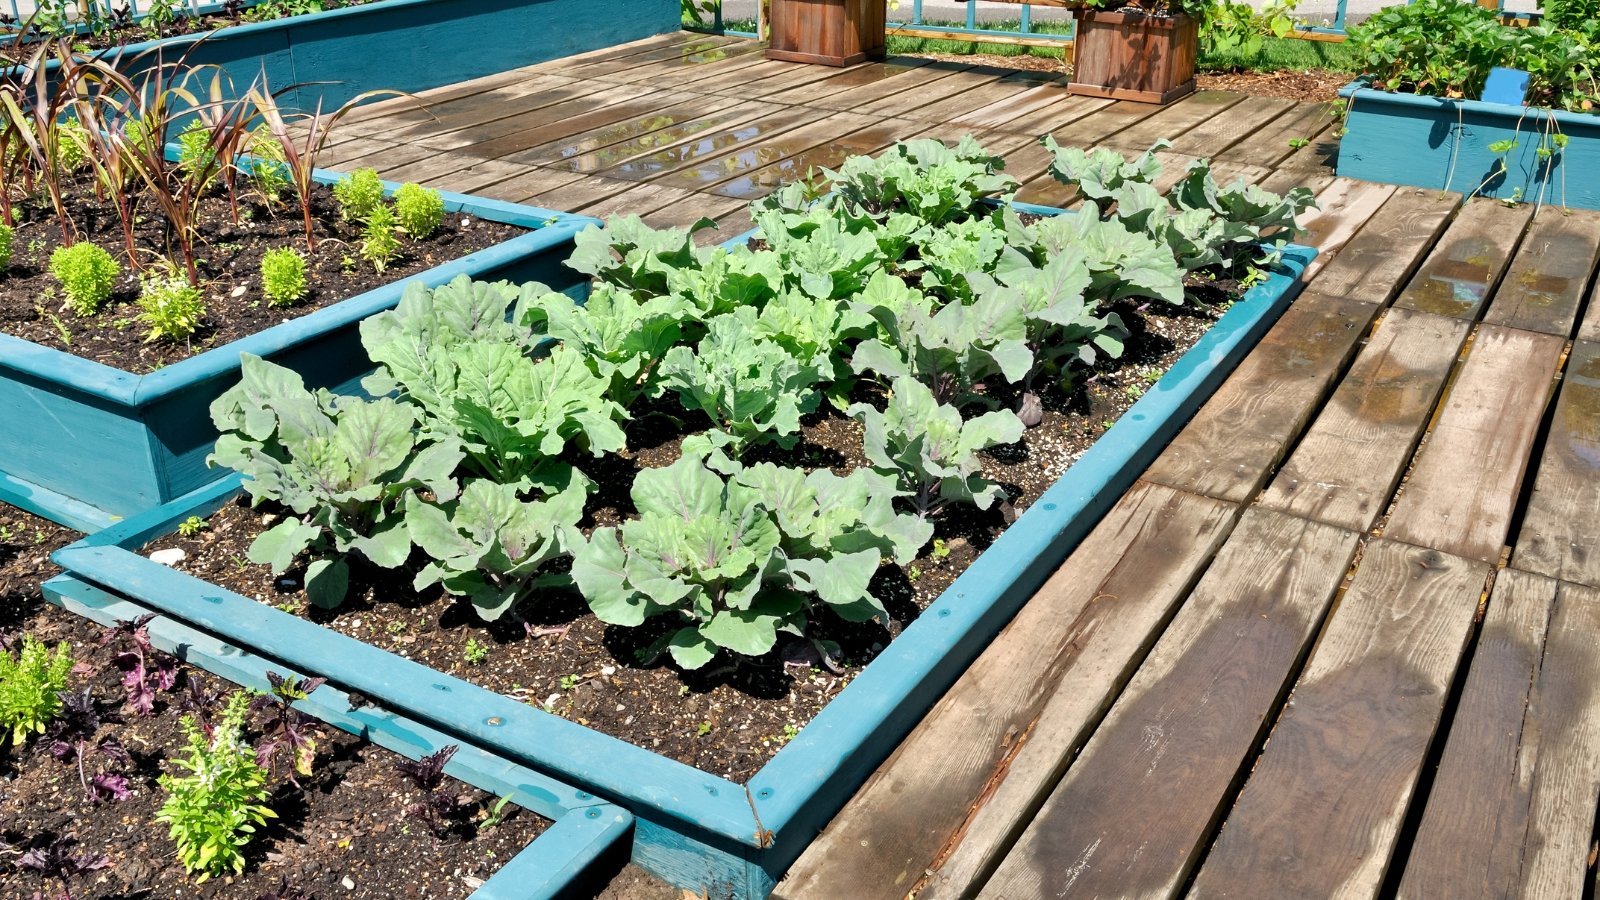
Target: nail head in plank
1469,844
1378,261
1464,486
1231,446
990,750
1461,272
1135,808
1550,272
1565,713
1560,534
1321,812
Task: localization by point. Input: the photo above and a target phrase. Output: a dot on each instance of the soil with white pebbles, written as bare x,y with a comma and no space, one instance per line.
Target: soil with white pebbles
343,834
733,715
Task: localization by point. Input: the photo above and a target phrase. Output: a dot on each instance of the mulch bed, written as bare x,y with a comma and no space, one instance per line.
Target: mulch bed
31,302
344,835
1310,86
730,717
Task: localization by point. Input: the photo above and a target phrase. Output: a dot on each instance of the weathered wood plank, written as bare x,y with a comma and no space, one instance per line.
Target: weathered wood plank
1560,534
999,739
638,97
1546,281
1284,180
1014,86
717,142
1321,813
1273,143
1054,116
914,81
1175,120
1236,439
1345,469
856,76
755,174
1214,136
683,65
534,185
1133,811
1036,110
1469,845
1345,206
1380,259
704,173
1466,266
566,155
1589,328
1319,152
903,103
1464,486
1565,722
662,127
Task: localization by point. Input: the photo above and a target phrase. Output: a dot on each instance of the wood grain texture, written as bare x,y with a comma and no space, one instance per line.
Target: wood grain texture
1469,844
1381,258
830,32
1177,119
1546,281
1146,793
987,753
1321,812
1231,446
1345,206
1565,722
1271,144
1134,56
1465,484
1560,534
1589,328
1214,136
1466,266
1344,471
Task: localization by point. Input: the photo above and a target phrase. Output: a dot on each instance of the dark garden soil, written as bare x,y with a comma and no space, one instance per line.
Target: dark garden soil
1310,86
730,717
345,834
31,304
119,31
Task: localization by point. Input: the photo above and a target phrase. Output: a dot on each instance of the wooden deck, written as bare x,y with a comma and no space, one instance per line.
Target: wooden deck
1342,639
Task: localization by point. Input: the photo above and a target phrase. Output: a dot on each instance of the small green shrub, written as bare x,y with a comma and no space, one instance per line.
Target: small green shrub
420,210
214,810
7,237
72,150
195,152
271,170
172,307
283,276
29,683
87,275
379,245
359,194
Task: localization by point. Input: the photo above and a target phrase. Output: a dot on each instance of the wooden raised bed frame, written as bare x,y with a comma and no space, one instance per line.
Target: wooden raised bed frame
1134,56
694,829
828,32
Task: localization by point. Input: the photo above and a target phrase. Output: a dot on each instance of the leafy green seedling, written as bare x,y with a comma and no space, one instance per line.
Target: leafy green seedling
192,526
87,275
475,652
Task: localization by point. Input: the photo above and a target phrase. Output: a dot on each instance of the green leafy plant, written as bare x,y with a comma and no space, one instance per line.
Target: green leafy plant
739,560
283,276
87,275
1240,29
475,653
171,306
8,236
269,168
924,177
358,194
192,526
379,244
419,210
213,811
30,681
930,450
194,147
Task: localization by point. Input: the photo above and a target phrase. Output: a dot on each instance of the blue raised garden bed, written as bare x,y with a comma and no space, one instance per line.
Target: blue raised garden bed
695,829
409,45
85,444
1434,142
583,826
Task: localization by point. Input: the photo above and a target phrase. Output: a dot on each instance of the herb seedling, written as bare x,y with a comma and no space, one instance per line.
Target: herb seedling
56,859
87,275
436,808
29,686
72,737
145,670
192,526
497,813
569,682
379,246
213,811
284,728
475,653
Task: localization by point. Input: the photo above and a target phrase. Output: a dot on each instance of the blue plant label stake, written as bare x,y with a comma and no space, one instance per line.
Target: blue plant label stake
1508,86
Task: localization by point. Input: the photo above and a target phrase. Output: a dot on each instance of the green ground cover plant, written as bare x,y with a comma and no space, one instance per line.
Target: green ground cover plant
901,291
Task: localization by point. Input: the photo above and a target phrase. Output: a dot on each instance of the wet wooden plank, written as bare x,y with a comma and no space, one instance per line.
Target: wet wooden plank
1466,266
689,211
479,176
1236,439
1273,143
999,739
870,73
912,81
1014,86
635,116
1345,469
536,186
946,90
684,65
1560,534
571,192
662,127
703,173
1546,281
1469,844
755,177
407,115
1035,111
1589,328
713,143
1462,490
1376,263
1214,136
572,156
1175,120
1345,206
1320,815
1135,808
1562,746
638,98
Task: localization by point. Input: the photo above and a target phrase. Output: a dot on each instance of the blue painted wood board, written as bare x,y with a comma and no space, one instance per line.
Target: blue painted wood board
584,826
92,444
1434,142
693,825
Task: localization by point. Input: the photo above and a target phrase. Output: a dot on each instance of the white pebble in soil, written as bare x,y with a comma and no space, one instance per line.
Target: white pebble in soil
169,557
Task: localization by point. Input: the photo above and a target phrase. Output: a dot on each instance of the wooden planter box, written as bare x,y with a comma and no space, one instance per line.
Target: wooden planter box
693,828
828,32
1444,144
1134,56
86,444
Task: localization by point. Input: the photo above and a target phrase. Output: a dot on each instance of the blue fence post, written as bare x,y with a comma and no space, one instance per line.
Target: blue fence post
1027,19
